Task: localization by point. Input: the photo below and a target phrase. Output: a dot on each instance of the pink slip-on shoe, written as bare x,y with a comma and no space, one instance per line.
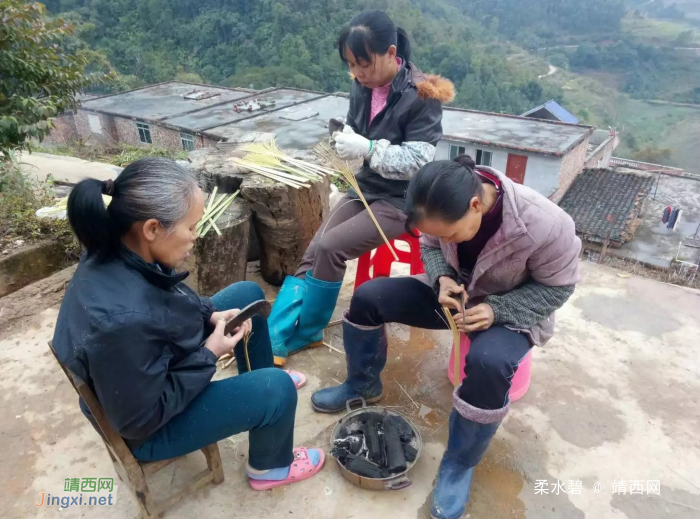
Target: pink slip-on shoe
298,378
302,468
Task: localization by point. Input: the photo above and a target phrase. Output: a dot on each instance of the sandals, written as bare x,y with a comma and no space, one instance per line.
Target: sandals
298,378
301,469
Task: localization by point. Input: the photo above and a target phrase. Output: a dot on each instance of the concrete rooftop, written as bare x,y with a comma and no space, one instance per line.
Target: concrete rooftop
511,132
224,113
653,243
296,128
614,396
161,101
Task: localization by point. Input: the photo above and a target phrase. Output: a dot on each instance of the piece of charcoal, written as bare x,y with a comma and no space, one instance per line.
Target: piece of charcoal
362,467
340,453
371,431
395,457
402,426
352,443
410,453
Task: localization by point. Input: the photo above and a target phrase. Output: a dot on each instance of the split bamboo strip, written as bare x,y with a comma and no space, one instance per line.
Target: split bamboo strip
270,148
271,171
215,206
325,152
274,162
217,215
212,221
212,197
456,340
273,176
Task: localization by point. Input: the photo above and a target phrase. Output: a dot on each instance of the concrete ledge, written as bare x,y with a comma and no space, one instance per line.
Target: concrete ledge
31,263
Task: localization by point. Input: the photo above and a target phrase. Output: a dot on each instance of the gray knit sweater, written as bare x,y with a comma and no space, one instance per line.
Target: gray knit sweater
523,307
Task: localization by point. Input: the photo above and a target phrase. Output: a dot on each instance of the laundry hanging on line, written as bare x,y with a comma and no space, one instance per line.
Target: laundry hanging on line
671,217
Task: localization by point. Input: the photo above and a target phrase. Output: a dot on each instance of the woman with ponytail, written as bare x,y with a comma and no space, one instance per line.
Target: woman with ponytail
516,253
393,125
148,345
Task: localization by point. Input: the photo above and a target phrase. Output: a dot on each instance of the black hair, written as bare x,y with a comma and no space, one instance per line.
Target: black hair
373,32
151,187
442,189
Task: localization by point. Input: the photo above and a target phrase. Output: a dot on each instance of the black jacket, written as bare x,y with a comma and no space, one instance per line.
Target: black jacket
135,334
413,114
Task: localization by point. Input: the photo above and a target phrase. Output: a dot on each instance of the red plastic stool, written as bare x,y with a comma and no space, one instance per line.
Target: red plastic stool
382,260
521,380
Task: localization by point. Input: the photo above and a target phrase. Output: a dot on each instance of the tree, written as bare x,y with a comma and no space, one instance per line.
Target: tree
685,39
653,155
38,78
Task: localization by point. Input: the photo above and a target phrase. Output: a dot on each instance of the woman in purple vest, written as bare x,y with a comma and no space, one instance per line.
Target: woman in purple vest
517,255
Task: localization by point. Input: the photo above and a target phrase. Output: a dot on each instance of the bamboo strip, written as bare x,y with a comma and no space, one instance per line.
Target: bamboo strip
214,209
273,175
271,171
217,215
456,339
324,151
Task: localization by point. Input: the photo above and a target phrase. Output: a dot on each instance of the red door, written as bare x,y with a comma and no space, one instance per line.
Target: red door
515,169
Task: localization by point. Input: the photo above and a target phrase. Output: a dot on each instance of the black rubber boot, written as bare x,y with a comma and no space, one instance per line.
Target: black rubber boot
365,353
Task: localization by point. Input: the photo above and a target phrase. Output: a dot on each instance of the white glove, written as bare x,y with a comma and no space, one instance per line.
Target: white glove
351,146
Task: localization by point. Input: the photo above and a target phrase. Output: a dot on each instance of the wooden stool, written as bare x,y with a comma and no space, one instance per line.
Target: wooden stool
133,470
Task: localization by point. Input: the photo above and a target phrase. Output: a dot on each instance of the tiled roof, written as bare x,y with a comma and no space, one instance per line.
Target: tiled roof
605,203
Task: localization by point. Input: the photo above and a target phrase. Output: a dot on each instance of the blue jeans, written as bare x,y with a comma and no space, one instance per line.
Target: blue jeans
262,401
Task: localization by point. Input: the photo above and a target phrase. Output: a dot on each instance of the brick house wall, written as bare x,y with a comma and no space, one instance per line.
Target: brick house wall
122,130
571,165
108,136
64,131
600,157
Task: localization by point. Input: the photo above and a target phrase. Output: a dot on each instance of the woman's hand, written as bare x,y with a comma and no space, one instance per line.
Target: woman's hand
226,315
451,294
349,145
218,342
478,318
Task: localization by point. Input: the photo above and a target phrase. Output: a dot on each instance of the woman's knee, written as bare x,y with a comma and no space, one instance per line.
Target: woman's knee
238,295
495,352
327,247
364,305
278,388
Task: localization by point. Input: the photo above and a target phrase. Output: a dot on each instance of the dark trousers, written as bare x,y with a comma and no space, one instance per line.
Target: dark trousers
347,233
494,354
262,401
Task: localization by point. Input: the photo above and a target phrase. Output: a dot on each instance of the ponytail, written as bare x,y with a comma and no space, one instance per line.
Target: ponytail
403,45
90,219
149,188
442,189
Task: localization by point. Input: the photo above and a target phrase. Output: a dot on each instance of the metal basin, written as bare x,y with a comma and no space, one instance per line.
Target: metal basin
396,481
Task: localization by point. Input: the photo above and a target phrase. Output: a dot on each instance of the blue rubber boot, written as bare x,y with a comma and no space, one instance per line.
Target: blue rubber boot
466,445
284,316
316,311
365,354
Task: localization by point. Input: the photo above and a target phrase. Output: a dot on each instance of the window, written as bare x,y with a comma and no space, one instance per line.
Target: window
187,141
144,133
483,158
456,150
95,125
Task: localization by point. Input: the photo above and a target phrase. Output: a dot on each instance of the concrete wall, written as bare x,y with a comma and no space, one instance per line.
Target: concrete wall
541,173
601,155
121,130
64,131
571,166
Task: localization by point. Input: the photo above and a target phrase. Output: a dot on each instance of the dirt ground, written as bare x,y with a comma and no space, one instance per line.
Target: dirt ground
614,397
